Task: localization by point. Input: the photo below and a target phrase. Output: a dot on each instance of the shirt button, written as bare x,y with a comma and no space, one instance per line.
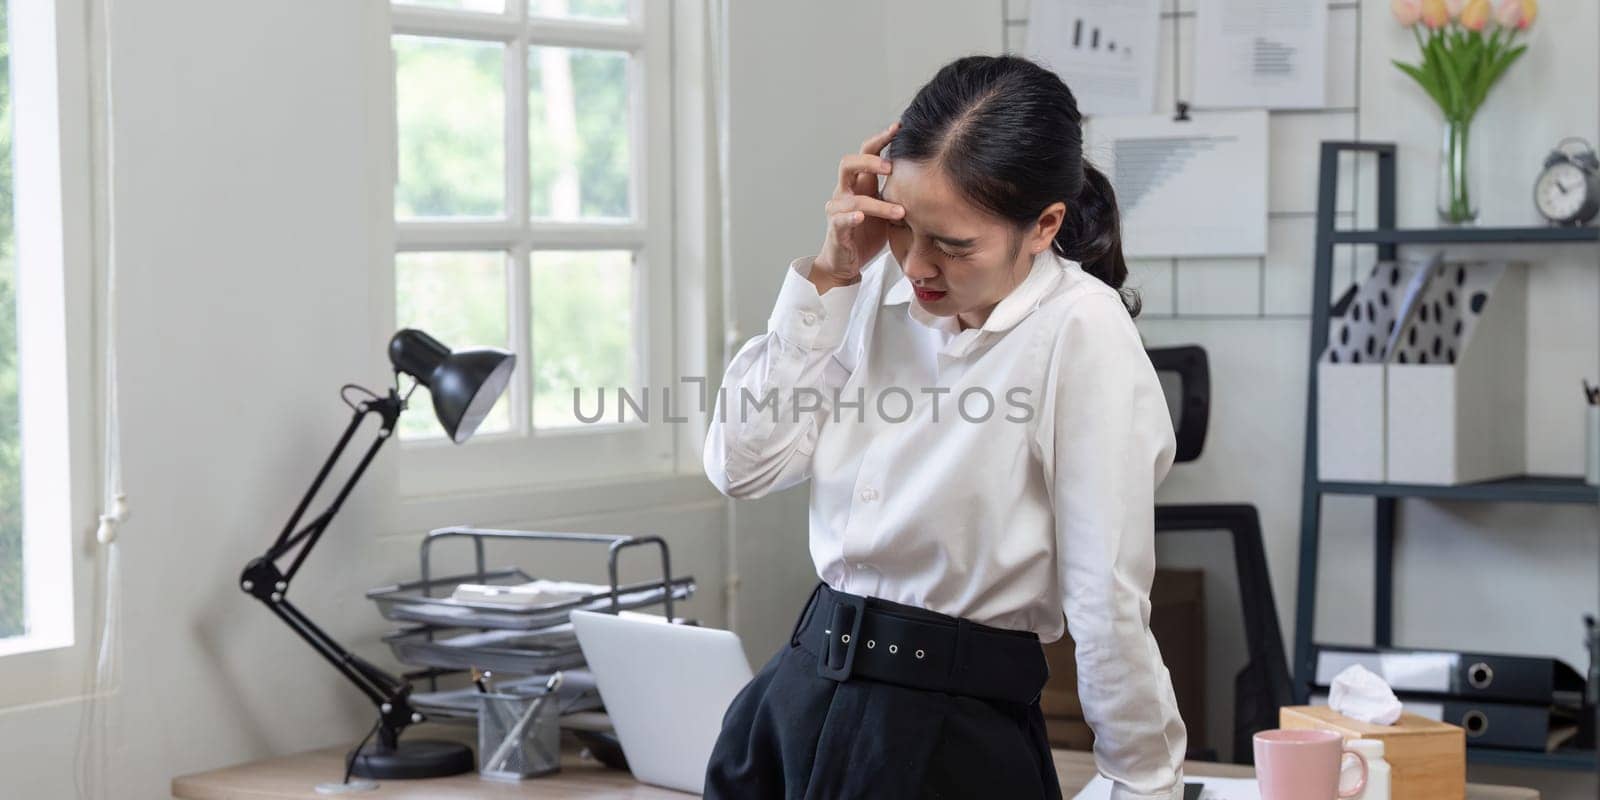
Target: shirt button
869,494
809,318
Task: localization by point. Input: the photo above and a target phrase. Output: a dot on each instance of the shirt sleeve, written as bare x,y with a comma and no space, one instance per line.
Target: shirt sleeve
1108,442
778,390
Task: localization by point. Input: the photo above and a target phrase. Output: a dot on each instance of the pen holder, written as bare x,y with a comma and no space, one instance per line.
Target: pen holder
1592,454
518,736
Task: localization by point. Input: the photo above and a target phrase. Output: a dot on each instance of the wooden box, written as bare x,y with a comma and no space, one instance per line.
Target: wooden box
1427,759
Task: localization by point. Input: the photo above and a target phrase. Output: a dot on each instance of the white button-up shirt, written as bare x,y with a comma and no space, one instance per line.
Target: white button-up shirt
1005,473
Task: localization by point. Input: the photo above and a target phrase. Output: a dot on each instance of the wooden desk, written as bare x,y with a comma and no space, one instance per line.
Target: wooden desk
293,778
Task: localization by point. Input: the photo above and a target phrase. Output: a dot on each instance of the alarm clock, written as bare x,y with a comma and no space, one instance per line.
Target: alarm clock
1568,189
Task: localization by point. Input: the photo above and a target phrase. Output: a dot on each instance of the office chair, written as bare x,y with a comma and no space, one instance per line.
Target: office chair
1264,684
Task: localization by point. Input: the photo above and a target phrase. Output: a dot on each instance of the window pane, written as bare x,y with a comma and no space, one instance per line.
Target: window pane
450,116
578,133
609,10
583,333
11,611
495,6
459,299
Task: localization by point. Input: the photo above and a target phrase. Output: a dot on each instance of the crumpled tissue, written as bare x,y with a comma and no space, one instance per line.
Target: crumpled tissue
1361,694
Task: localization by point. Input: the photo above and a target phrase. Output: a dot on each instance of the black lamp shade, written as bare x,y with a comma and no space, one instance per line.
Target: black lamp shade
464,383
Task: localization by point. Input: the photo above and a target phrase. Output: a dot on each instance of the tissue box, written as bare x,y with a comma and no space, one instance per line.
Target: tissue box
1427,759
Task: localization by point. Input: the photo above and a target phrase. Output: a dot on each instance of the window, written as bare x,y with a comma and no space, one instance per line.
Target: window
45,302
12,619
533,147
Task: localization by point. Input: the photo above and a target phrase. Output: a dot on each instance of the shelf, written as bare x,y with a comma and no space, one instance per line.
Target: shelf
1528,759
1469,234
1384,231
1526,489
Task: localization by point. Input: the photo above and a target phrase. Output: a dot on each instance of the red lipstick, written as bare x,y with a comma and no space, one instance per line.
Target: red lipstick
928,295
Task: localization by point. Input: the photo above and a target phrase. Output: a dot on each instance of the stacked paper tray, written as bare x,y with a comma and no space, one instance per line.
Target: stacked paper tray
532,636
413,601
507,652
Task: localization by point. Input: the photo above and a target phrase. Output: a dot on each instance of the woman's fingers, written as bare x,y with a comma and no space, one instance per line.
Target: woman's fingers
882,209
843,221
876,142
853,165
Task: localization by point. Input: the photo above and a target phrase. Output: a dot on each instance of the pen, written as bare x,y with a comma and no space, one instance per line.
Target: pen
514,735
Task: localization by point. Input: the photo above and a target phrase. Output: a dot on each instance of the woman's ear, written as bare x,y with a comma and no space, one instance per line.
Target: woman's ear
1044,229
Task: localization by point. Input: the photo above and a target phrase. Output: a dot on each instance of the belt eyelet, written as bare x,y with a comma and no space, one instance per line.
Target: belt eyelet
920,654
893,649
871,643
845,638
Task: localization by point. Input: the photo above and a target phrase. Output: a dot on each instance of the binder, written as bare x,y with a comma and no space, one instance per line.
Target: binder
1528,680
1499,725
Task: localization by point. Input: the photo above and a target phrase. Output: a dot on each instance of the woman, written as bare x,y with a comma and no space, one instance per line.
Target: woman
949,541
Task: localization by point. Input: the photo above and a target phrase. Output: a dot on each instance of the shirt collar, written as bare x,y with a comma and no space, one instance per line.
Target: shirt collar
1012,309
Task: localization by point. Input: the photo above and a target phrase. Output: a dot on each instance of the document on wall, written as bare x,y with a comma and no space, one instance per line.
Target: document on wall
1261,53
1105,50
1196,187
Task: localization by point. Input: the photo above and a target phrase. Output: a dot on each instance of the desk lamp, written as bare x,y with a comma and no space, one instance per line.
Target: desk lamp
464,385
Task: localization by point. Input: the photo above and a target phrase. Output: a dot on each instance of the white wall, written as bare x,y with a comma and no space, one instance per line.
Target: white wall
244,207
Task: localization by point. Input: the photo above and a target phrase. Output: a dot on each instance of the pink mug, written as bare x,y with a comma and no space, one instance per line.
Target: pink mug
1303,765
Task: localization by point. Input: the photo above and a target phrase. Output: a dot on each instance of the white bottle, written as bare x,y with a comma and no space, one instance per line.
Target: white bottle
1377,769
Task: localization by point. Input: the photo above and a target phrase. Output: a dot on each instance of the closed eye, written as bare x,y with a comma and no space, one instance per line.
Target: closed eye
900,224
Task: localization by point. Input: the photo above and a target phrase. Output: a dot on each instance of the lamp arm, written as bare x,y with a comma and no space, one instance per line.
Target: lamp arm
264,580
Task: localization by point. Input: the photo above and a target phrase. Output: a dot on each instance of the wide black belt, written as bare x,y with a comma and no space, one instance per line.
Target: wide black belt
876,639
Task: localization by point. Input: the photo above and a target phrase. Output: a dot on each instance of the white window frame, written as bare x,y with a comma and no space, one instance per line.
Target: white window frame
586,453
55,302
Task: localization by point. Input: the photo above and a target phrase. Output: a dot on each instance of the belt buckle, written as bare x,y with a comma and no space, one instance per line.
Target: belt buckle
859,605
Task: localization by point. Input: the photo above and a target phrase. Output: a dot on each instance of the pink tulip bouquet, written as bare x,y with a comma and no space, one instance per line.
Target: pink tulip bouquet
1466,47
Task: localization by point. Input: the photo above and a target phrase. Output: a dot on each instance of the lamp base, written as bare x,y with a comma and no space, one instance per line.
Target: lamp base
414,758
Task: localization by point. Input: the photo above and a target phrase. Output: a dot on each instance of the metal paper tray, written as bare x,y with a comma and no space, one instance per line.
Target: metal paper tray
412,602
505,651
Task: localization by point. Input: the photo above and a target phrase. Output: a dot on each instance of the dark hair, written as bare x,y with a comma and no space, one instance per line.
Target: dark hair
1008,133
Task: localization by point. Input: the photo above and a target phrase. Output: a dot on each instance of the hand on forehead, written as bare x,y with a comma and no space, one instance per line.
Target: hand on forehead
933,206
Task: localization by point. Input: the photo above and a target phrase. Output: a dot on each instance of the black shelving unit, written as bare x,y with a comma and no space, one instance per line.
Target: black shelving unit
1386,496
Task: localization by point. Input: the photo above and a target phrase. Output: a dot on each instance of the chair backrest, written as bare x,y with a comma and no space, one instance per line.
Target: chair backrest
1186,378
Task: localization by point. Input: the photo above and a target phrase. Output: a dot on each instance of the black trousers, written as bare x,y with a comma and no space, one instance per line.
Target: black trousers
791,733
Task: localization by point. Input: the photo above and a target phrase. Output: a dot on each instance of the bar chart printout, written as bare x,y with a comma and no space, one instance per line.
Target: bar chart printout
1196,187
1261,54
1105,50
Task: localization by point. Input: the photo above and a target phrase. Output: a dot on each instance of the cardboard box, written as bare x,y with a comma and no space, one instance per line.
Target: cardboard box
1427,759
1351,433
1457,384
1352,389
1177,618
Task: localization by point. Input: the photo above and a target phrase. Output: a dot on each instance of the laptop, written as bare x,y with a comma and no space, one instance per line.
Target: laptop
666,688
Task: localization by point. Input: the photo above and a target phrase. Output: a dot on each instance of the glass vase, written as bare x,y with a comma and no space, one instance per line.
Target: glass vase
1456,204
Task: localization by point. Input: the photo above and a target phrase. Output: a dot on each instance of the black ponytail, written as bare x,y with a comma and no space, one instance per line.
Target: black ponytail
1008,133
